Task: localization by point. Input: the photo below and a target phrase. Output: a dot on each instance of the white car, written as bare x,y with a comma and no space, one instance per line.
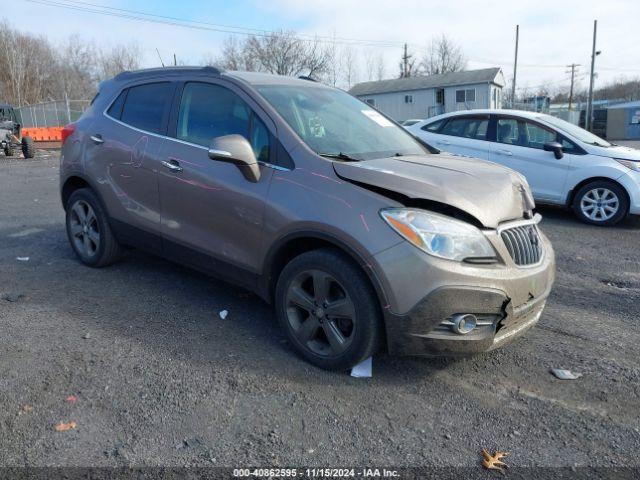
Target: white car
564,164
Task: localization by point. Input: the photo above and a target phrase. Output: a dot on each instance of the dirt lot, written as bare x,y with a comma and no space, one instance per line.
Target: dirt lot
160,379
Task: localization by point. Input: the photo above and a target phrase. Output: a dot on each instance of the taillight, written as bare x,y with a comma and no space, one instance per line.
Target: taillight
67,131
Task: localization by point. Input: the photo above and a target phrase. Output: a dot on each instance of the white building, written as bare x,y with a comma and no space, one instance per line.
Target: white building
423,97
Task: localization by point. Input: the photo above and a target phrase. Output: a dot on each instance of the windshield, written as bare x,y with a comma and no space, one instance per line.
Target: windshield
575,131
333,123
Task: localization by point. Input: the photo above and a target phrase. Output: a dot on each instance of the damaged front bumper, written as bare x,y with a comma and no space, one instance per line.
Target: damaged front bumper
504,299
424,332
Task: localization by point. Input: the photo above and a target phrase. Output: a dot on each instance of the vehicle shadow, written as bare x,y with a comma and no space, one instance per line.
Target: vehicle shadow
175,310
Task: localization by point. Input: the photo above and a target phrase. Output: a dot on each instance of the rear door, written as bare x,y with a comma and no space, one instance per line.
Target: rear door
519,145
212,216
464,135
122,156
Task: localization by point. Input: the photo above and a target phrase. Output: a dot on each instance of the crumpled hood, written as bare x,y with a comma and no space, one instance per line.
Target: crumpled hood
487,191
617,151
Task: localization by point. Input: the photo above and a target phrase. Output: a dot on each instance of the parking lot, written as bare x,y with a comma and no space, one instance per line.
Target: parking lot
158,378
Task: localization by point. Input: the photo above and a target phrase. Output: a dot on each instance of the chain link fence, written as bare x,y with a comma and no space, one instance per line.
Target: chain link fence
55,113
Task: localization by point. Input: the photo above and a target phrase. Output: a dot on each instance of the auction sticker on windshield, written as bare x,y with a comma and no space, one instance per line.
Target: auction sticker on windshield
376,117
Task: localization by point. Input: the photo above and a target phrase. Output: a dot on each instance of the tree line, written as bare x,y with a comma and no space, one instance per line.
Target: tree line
32,69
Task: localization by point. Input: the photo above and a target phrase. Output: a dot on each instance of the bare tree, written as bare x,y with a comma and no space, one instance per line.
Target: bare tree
281,53
443,56
75,68
349,66
375,67
118,59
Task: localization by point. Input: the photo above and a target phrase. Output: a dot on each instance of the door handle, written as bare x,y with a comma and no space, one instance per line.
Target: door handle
97,139
172,165
505,152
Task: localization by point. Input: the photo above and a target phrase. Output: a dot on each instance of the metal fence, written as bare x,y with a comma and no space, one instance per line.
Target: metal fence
55,113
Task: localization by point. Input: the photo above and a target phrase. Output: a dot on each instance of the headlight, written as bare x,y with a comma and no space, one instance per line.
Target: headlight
439,235
631,164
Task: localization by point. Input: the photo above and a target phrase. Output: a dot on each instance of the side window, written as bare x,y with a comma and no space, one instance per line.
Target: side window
259,139
145,106
467,127
508,131
537,136
115,110
208,111
523,133
569,147
432,127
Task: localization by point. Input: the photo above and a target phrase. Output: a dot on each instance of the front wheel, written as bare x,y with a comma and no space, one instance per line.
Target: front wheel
328,309
601,203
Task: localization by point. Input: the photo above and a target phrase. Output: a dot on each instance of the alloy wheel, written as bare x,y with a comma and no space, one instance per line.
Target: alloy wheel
320,313
599,204
84,228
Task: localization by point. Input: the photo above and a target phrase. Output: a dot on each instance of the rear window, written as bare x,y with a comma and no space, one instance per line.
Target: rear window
145,106
115,110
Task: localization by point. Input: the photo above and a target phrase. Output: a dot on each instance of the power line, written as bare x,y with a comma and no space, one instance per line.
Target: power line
200,25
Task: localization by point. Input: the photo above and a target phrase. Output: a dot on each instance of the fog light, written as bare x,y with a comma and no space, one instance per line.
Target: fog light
463,323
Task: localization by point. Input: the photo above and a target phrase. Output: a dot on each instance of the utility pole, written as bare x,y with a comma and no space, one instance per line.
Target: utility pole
589,113
405,63
573,67
515,68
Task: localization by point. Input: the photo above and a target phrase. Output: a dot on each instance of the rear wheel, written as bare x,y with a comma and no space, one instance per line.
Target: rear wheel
601,203
328,309
28,147
88,230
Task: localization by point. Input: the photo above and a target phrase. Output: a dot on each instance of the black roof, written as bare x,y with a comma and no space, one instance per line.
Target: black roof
152,72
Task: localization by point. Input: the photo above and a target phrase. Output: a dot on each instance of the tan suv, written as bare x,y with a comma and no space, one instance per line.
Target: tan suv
360,235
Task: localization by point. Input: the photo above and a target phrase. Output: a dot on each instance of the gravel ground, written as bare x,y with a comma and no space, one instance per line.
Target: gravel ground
160,380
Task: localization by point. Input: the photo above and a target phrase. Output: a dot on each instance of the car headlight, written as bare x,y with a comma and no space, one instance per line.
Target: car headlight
439,235
631,164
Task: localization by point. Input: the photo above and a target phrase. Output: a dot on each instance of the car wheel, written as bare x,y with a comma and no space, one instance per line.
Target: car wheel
601,203
328,309
88,230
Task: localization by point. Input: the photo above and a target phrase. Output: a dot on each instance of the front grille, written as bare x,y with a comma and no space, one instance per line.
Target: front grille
523,243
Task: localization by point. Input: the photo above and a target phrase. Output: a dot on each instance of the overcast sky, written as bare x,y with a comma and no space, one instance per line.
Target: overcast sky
553,33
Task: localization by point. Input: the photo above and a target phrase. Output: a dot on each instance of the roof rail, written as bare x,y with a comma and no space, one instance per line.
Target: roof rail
305,77
170,69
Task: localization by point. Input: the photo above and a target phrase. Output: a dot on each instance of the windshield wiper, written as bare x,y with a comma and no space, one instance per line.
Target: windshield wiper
598,144
340,156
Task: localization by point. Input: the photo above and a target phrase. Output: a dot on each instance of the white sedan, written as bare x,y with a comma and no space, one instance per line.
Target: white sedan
564,164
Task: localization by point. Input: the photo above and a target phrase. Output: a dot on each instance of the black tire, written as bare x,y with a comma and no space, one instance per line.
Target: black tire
363,331
586,198
8,150
28,147
108,250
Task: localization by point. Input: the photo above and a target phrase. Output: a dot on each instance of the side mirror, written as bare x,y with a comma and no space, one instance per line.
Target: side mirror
237,150
554,147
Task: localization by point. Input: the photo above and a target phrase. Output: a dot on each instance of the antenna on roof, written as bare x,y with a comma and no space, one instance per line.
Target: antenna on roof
159,56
